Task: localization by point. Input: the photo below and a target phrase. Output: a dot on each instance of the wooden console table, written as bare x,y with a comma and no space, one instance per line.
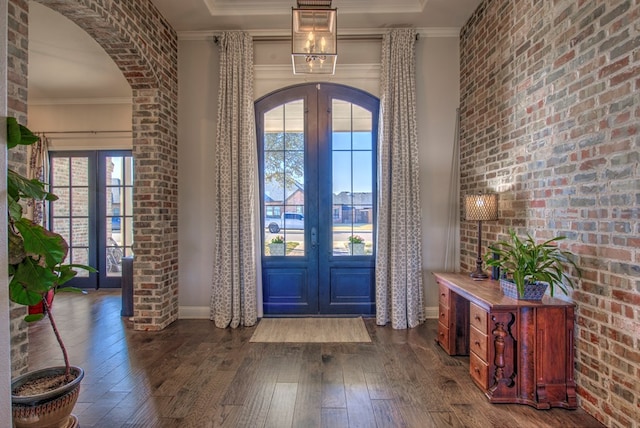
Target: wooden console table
519,351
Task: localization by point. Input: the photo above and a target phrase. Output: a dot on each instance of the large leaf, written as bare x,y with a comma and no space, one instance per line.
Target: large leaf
13,132
42,242
20,186
15,209
18,134
30,282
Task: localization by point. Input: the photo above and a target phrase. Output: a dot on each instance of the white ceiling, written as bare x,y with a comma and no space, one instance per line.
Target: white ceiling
66,64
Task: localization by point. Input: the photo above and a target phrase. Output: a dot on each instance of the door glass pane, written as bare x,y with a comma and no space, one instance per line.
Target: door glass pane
283,180
119,214
80,256
70,213
352,173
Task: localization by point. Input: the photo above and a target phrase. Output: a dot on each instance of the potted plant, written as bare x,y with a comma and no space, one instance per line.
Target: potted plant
36,267
528,268
356,245
276,247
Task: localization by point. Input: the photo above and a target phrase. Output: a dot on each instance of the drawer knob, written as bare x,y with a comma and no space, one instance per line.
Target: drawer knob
477,318
477,343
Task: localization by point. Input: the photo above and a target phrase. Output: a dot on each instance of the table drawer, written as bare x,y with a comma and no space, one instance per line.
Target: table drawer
479,371
443,315
443,337
478,317
444,294
478,343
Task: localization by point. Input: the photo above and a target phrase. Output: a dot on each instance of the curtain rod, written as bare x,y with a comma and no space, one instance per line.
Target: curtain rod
82,132
351,37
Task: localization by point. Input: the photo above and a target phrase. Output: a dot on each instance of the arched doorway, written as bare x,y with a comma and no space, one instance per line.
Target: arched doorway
144,47
317,154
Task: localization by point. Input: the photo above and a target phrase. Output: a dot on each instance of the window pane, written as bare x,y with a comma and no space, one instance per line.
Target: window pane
61,226
283,180
80,201
128,171
80,171
363,174
362,140
60,208
60,169
80,256
352,172
79,232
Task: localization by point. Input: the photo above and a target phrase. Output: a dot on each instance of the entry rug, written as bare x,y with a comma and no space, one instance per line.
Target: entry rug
310,330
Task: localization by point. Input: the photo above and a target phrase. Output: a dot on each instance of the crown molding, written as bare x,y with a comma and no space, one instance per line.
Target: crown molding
78,101
282,7
422,32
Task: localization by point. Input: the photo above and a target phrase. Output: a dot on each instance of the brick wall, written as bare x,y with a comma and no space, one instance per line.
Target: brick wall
18,41
550,111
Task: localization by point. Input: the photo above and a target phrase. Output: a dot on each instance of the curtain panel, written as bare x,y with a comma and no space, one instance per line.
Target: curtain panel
38,168
399,293
233,296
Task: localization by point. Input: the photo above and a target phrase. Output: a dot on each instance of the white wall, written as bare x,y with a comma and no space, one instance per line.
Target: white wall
437,84
76,125
197,99
358,66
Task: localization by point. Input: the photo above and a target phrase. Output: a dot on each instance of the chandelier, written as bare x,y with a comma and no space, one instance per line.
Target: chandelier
314,37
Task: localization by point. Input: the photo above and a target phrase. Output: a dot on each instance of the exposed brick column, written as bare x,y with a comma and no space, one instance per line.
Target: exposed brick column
550,114
17,64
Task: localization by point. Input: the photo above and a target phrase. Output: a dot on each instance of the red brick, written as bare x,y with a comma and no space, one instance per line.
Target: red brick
588,190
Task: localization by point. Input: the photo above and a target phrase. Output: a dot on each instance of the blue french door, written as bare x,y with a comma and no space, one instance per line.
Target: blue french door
94,211
317,148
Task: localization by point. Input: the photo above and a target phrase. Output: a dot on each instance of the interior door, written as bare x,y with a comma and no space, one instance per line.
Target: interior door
94,211
317,181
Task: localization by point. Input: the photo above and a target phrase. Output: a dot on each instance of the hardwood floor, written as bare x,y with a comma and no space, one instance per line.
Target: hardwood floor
193,374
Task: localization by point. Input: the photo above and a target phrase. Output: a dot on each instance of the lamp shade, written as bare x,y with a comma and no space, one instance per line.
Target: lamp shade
314,47
481,207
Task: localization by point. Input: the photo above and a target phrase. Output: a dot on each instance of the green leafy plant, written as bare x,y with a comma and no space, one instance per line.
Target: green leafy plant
278,240
356,239
524,260
35,255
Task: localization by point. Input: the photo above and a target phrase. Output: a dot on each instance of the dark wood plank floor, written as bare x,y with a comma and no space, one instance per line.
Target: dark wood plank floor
193,374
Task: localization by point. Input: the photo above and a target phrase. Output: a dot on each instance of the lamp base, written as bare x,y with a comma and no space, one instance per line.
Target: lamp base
478,275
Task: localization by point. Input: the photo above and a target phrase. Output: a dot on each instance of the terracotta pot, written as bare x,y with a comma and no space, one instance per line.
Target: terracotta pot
50,409
39,308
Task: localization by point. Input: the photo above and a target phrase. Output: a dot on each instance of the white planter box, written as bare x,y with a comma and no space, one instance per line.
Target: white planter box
276,249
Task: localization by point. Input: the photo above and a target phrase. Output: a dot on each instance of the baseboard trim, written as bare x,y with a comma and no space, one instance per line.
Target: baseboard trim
194,312
431,312
203,312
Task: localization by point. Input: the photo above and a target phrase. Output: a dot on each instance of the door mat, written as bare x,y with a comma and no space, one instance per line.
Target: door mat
310,330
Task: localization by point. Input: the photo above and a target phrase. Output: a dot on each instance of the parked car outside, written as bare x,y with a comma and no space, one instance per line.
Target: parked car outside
288,220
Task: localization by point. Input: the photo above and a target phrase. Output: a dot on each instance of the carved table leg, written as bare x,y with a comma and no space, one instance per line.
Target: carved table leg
499,333
503,323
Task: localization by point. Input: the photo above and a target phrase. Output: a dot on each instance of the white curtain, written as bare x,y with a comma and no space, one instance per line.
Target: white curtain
233,297
399,294
38,154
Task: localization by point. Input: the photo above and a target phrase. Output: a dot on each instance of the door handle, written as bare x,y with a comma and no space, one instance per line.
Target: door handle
314,237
